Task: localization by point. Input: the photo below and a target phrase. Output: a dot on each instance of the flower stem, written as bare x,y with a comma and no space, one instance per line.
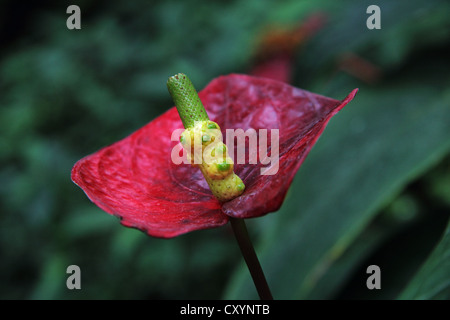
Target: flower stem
241,234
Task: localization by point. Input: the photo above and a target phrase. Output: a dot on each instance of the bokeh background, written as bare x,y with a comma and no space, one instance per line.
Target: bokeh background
374,190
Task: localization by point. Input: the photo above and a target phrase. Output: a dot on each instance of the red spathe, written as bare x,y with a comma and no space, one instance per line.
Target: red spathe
136,180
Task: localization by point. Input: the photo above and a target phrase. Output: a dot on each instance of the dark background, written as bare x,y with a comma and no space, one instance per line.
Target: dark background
374,190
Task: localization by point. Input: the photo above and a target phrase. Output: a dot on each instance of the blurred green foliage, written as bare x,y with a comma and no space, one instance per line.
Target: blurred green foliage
374,190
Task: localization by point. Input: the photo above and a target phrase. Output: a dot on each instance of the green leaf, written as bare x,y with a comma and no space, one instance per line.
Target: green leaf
433,279
388,137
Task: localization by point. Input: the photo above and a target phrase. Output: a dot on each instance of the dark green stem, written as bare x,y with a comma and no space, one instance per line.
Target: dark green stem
186,99
241,234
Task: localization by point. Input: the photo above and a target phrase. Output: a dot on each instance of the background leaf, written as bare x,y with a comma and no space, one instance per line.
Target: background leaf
374,189
432,281
345,181
392,134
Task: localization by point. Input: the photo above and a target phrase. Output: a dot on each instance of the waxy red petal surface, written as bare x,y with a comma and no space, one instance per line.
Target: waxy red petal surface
135,179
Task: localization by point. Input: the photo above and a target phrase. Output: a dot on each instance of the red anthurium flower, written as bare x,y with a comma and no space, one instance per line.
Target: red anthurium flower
136,180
